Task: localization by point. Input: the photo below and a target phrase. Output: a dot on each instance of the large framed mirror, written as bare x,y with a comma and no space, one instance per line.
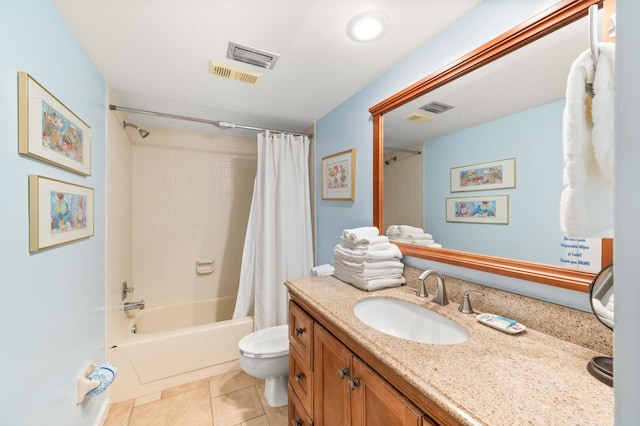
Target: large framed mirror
503,80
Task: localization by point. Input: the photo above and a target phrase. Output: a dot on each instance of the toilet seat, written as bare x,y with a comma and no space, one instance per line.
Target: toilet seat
270,342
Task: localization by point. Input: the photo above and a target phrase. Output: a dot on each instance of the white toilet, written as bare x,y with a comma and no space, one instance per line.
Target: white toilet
265,354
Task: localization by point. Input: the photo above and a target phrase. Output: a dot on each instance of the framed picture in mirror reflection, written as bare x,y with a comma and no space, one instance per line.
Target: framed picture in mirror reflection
488,209
483,176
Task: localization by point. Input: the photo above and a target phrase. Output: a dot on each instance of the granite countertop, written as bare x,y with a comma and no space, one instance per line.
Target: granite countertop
493,378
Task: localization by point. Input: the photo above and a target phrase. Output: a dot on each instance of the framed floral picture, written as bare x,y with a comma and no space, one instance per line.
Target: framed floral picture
478,177
59,212
490,209
339,176
49,131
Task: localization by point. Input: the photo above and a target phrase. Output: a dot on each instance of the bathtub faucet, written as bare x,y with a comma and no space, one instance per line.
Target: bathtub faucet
134,305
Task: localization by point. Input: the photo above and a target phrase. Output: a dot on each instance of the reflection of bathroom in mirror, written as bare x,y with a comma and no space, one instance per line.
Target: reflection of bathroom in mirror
511,107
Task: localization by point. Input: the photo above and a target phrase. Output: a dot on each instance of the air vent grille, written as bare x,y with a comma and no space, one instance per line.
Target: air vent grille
233,73
436,107
252,56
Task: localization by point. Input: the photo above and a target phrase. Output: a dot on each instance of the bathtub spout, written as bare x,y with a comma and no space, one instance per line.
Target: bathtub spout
134,305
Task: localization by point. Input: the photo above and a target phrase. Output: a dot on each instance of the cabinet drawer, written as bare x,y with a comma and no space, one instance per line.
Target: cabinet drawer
301,381
297,415
301,332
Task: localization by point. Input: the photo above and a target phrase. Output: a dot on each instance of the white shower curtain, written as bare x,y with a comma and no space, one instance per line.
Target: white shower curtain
278,242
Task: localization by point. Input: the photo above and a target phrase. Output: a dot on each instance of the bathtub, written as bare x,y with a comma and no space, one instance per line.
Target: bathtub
177,344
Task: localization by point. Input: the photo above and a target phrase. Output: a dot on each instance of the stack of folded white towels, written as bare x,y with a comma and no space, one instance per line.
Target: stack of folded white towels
411,235
367,260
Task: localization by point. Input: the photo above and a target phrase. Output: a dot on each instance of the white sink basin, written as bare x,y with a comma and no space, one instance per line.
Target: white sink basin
408,321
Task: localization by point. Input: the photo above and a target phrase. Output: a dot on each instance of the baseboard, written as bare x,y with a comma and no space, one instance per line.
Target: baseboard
103,413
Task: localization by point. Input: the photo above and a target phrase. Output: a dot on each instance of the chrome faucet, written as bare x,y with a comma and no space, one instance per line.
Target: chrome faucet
134,305
441,292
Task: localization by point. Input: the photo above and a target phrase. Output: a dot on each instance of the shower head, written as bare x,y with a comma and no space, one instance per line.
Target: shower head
143,133
391,160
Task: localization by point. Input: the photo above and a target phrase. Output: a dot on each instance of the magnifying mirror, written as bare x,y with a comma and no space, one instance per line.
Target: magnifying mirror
601,298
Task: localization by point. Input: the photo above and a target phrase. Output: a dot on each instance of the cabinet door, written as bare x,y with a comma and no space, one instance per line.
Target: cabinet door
331,373
376,403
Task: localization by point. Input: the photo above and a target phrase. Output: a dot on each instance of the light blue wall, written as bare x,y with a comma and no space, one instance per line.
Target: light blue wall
52,315
533,215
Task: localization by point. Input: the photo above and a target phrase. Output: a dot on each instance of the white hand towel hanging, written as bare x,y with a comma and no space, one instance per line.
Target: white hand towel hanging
586,205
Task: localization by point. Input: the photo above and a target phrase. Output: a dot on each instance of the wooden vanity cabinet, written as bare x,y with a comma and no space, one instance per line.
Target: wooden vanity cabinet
342,390
376,402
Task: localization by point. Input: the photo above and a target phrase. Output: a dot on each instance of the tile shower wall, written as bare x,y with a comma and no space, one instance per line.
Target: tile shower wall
191,200
119,221
403,204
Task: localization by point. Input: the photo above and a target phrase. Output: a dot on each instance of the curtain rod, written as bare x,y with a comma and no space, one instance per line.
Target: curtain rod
220,124
410,151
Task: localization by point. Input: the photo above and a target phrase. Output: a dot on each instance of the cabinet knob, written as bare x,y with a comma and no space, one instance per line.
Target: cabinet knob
354,383
343,372
298,331
297,422
299,376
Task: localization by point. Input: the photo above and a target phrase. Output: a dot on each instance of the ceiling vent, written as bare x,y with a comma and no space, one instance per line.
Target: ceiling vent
436,107
418,118
252,56
234,73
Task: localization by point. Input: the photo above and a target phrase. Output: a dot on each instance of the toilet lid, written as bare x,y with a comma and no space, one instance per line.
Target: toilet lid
270,342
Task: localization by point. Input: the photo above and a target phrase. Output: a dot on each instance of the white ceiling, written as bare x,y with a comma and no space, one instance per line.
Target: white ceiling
154,54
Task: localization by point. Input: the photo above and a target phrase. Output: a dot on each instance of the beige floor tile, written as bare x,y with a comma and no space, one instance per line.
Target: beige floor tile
258,421
230,382
191,408
119,414
236,407
184,388
145,399
276,416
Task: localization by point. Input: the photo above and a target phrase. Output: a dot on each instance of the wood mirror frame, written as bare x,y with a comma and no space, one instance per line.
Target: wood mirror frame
555,17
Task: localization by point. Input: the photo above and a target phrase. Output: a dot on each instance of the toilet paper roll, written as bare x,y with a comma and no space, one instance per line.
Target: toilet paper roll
104,373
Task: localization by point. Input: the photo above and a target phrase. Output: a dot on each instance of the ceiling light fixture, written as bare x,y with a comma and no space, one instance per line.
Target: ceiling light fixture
368,26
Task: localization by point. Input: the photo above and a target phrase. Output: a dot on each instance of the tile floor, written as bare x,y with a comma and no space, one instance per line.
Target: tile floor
229,399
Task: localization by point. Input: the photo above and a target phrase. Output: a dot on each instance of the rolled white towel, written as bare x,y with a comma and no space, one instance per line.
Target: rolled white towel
380,242
372,240
397,230
320,270
356,234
